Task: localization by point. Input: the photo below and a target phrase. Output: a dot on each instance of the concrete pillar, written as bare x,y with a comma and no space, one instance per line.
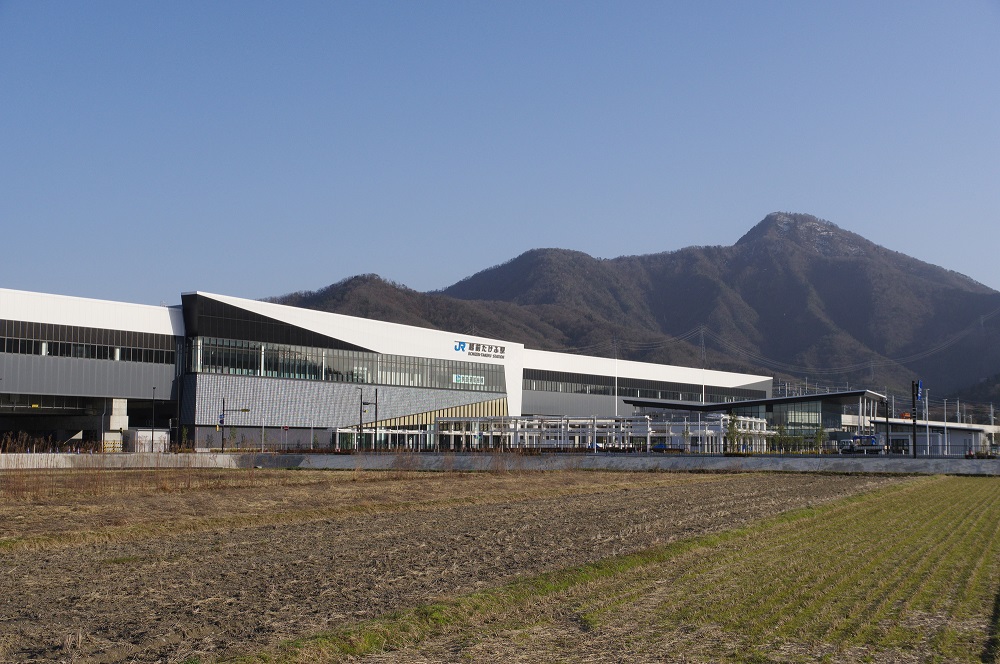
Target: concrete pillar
118,418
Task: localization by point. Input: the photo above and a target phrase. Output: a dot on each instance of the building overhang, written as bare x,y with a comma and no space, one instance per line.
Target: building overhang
845,398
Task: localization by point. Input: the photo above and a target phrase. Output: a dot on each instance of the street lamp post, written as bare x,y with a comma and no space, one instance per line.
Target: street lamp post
222,424
361,415
152,423
375,422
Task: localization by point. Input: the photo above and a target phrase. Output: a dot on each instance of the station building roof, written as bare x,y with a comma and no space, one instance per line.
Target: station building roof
844,398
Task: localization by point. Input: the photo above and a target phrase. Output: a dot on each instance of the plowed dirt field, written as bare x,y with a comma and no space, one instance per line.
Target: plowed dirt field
198,565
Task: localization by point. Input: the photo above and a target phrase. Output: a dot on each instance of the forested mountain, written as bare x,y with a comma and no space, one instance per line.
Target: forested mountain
796,296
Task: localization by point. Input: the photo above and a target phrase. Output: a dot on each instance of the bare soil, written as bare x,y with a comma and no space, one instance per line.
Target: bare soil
178,570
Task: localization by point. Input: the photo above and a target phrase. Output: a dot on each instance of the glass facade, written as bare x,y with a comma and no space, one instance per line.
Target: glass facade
256,358
573,383
800,418
797,416
47,339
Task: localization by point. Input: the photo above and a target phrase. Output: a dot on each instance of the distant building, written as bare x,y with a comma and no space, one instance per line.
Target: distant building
794,421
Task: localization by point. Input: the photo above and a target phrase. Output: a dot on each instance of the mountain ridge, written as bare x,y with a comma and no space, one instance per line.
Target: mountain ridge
795,295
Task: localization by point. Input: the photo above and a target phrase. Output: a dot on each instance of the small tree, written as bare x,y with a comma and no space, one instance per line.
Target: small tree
780,438
732,434
819,438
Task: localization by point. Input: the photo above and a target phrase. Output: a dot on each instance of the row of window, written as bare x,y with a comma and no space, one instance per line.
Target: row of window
253,358
639,388
49,401
31,331
624,392
87,351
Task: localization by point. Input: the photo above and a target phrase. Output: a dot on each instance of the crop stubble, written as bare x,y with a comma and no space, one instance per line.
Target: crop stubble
167,574
907,575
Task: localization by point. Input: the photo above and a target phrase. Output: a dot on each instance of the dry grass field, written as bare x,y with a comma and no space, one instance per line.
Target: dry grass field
201,566
906,574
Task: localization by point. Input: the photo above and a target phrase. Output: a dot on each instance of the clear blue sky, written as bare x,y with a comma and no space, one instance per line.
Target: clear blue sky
253,149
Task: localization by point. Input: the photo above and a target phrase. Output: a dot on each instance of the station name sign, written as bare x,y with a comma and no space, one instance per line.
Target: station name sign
481,350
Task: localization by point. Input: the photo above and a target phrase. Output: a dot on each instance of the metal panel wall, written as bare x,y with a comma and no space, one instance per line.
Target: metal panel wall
573,405
70,376
275,402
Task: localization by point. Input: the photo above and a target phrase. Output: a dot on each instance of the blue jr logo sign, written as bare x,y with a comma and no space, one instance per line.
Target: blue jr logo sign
480,350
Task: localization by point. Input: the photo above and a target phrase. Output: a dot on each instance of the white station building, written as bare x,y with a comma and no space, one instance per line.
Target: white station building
225,372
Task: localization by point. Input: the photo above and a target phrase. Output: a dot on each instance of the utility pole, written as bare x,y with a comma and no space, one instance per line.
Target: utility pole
927,415
614,346
944,418
704,362
915,389
888,438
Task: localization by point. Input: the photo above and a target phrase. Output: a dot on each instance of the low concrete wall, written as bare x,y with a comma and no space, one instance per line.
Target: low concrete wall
122,461
639,463
510,462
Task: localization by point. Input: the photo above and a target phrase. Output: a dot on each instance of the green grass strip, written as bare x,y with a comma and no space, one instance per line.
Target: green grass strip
909,573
